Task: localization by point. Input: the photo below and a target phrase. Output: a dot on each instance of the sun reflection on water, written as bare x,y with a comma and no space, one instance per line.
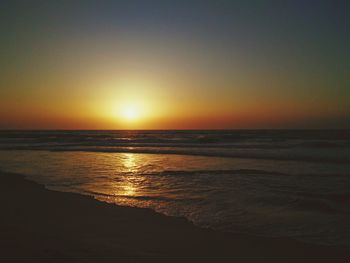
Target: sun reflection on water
128,185
129,162
127,189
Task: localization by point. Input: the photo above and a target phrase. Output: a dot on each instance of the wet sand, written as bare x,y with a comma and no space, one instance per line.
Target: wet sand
40,225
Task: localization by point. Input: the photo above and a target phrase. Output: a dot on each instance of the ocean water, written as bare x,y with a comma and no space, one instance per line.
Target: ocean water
281,183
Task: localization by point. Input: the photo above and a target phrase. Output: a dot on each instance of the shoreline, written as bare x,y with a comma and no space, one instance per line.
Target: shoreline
41,225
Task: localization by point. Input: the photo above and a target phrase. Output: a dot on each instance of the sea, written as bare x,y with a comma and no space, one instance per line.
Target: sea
276,183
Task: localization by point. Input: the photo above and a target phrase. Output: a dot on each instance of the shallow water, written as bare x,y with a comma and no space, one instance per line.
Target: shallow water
292,183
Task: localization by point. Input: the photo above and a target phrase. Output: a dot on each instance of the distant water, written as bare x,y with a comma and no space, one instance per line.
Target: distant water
289,183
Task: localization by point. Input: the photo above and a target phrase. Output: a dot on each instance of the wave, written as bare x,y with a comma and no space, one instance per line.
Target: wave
160,143
323,204
140,197
213,172
229,138
335,198
328,146
213,152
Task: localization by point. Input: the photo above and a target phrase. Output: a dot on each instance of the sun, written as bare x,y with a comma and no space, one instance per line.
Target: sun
129,113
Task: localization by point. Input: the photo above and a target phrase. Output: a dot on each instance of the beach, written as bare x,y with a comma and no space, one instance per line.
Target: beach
175,131
40,225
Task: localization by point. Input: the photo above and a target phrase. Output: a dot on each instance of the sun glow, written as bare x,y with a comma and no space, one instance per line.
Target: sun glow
129,113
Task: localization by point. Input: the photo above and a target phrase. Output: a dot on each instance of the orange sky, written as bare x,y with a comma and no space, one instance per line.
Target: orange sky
71,67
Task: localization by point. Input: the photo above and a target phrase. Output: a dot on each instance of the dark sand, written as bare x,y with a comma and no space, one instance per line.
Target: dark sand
39,225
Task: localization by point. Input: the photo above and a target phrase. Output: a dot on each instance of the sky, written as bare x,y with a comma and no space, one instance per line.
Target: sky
174,64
